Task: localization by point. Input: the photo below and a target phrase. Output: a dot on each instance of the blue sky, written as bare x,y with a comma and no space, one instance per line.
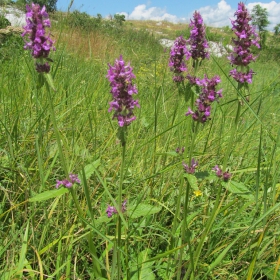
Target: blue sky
214,12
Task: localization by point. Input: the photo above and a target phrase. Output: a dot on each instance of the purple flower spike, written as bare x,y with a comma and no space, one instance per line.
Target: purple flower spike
225,175
190,169
197,40
178,54
37,20
111,210
218,171
246,37
208,95
68,183
120,77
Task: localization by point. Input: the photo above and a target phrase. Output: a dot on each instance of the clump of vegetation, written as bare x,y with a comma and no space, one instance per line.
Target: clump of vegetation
180,180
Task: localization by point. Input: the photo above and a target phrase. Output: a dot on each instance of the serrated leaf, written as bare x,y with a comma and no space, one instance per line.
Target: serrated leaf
143,209
48,195
90,168
192,181
239,188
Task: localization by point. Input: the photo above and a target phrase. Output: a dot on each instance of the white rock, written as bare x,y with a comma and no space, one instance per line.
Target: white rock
230,47
166,43
217,49
14,16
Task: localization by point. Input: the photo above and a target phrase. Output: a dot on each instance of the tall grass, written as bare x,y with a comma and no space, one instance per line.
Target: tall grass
230,231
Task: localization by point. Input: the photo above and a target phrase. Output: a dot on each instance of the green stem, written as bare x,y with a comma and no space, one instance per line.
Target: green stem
232,134
56,132
191,268
119,223
186,203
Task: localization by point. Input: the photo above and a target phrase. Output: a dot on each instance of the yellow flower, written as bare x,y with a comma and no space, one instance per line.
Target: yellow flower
197,193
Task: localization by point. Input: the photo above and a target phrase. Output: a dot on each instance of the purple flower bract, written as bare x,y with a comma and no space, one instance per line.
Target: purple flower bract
197,40
208,95
246,37
190,169
37,20
219,173
68,183
111,210
178,54
122,89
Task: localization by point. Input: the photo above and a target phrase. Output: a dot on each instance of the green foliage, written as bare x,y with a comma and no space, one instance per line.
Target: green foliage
230,230
120,19
277,29
260,19
213,36
185,33
11,45
4,22
49,4
83,21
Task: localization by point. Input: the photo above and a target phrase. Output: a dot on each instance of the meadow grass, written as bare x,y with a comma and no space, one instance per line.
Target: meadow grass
228,231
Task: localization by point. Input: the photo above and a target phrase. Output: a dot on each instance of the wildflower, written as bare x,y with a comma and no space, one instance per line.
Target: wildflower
180,150
68,183
178,54
246,37
190,169
111,210
225,175
37,20
208,95
122,89
197,193
124,206
197,40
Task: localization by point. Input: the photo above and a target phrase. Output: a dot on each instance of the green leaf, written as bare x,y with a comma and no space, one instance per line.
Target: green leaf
239,189
90,168
192,181
271,273
23,252
48,195
144,271
143,209
50,82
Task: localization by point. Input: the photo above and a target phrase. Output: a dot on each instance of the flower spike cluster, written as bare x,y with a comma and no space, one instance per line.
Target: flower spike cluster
225,175
111,210
68,183
122,89
178,54
246,37
37,20
208,95
197,40
190,169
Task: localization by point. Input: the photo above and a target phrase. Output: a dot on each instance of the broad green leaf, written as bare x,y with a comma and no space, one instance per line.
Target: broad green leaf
143,209
239,189
144,271
90,168
48,195
192,181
